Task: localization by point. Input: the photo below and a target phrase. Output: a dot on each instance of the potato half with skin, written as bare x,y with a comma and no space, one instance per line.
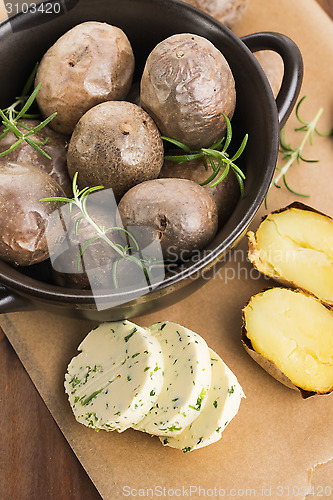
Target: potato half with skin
117,145
91,63
295,246
186,86
178,213
228,12
290,334
24,218
225,194
55,147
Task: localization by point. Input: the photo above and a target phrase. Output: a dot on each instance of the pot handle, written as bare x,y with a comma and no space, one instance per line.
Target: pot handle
293,67
10,302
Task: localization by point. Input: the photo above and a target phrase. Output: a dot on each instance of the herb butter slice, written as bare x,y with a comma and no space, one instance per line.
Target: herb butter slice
223,400
116,379
187,378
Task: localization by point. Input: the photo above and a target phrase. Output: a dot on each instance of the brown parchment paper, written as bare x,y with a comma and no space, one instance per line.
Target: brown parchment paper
278,445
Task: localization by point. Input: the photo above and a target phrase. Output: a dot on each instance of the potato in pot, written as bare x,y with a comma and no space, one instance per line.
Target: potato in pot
24,218
97,256
91,63
178,213
186,86
117,145
228,12
55,147
225,194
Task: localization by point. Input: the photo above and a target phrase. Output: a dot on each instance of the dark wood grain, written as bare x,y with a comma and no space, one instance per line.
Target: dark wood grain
36,461
327,5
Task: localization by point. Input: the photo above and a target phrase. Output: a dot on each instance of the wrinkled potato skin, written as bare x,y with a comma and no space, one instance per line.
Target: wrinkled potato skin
225,194
228,12
56,148
180,213
23,216
90,64
185,87
116,145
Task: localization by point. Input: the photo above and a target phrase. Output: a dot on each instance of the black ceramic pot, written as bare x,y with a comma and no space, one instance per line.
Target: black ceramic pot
24,38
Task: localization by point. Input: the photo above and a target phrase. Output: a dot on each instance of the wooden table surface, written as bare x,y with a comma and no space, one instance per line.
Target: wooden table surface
36,462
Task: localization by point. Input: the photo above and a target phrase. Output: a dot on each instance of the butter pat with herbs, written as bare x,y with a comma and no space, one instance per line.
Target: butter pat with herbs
162,380
116,379
187,379
223,400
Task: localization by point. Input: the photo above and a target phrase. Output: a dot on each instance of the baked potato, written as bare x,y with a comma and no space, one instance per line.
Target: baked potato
186,85
228,12
177,213
290,334
225,194
91,63
24,218
115,144
294,246
69,269
55,148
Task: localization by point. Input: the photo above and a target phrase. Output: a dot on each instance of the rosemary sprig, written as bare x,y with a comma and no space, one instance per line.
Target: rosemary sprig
290,154
218,151
12,115
80,201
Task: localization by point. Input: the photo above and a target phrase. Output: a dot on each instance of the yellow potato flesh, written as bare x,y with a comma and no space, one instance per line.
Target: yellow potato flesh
297,245
295,332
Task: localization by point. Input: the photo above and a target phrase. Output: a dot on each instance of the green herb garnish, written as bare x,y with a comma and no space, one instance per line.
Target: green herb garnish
218,151
92,396
12,115
79,199
173,428
290,154
127,337
200,398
